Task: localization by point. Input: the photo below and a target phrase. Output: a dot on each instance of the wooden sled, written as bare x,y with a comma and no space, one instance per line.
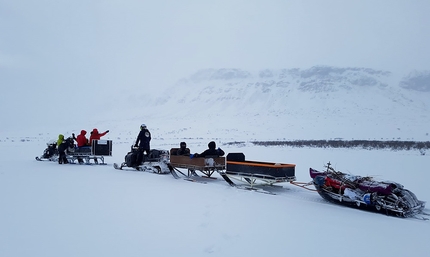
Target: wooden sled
206,165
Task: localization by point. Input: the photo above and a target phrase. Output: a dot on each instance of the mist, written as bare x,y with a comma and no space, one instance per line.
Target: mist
57,56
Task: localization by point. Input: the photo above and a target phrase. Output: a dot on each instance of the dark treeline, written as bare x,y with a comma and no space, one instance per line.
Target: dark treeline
365,144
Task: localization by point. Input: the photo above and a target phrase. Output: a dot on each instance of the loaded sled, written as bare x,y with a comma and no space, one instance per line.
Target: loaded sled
96,152
206,165
366,193
157,161
252,173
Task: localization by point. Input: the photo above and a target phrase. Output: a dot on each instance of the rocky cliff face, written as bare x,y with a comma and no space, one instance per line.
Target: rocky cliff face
417,81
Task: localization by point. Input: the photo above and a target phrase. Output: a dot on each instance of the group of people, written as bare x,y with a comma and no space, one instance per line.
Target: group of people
142,143
144,139
211,151
81,141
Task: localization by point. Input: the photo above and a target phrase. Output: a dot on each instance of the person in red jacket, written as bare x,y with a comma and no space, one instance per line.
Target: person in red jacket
95,135
82,140
83,144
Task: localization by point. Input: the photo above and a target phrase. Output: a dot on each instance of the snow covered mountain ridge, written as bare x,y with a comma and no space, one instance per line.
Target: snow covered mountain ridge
321,102
317,78
292,103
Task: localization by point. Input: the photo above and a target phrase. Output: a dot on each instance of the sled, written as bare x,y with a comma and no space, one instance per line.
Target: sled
96,152
252,173
156,162
366,193
206,165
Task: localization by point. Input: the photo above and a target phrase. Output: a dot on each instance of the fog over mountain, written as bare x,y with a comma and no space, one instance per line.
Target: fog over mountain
349,103
321,102
72,65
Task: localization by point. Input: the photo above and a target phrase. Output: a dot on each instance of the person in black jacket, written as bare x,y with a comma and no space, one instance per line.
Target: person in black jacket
183,150
63,145
143,142
212,151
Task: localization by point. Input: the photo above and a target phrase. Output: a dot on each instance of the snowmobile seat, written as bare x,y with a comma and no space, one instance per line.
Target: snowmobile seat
154,154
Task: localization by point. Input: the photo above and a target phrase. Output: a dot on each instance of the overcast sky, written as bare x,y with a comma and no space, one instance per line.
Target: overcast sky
84,47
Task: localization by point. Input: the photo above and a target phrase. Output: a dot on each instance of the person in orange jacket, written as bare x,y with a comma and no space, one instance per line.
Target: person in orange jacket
95,135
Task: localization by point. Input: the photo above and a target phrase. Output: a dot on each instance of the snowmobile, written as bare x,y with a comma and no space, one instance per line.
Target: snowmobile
366,193
50,153
157,161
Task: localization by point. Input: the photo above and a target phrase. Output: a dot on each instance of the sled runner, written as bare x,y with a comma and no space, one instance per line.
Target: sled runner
156,162
254,173
206,165
366,193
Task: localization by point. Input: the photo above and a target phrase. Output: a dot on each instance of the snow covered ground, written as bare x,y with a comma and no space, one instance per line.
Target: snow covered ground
49,209
69,65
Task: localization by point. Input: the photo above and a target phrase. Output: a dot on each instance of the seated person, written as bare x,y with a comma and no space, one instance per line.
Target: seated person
82,140
210,152
183,150
96,135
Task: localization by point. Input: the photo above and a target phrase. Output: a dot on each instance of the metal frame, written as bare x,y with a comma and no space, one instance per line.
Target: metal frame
257,179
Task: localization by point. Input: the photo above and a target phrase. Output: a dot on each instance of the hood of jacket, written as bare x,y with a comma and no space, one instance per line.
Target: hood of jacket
83,132
60,139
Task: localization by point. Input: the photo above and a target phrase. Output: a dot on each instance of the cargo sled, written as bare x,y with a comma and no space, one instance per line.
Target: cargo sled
252,173
206,165
157,161
366,193
98,150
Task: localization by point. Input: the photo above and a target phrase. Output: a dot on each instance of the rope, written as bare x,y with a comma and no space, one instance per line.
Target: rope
179,171
303,185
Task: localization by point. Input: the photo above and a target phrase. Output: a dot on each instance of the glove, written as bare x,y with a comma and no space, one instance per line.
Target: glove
219,149
107,131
